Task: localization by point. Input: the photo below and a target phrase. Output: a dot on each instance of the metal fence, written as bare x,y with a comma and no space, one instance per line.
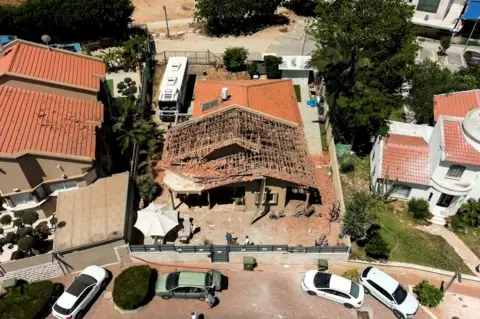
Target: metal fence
235,248
194,57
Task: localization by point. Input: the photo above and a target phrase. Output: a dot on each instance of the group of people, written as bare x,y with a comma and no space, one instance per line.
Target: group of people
229,238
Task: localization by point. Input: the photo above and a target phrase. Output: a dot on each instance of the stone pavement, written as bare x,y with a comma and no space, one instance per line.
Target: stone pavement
452,61
311,126
468,257
35,273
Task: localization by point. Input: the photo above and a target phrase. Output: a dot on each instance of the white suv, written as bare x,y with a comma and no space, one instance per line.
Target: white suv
72,303
390,292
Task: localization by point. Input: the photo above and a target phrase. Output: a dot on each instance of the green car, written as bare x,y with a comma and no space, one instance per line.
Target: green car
188,284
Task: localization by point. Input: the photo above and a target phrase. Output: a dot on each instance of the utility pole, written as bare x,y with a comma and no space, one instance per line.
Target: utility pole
457,275
166,20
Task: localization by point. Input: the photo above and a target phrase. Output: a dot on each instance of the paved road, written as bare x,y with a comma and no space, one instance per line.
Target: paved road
454,59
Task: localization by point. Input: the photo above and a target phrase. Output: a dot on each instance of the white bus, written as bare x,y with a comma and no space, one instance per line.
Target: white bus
173,88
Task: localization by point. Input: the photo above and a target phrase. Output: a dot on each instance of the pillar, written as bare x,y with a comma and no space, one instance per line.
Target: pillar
307,201
171,198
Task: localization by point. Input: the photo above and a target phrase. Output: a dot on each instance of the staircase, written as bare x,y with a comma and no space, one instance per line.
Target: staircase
440,218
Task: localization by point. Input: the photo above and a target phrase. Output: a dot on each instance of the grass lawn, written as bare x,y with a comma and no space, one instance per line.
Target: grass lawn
297,93
415,246
471,238
359,178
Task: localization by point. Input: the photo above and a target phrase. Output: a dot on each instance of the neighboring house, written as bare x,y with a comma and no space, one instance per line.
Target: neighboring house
297,68
6,39
245,142
440,164
51,136
435,15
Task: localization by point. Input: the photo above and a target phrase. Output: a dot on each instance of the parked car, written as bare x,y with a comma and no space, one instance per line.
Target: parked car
333,287
389,292
472,57
72,303
188,284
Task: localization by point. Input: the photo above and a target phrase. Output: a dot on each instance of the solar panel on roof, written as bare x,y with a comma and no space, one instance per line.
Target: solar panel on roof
209,105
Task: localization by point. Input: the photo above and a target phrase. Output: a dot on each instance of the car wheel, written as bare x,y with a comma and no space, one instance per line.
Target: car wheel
80,315
104,283
201,298
348,306
366,290
398,314
166,297
311,293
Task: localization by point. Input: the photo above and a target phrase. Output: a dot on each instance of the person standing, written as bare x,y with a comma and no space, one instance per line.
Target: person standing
247,241
228,237
194,315
210,299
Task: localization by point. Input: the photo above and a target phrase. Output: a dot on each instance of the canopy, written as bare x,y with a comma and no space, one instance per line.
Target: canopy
156,221
473,10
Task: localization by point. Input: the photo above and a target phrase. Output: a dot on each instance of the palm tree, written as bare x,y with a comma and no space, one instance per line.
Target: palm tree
130,125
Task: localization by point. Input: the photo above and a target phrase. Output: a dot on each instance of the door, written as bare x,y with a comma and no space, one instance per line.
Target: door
83,300
331,295
180,292
382,295
445,200
220,254
196,293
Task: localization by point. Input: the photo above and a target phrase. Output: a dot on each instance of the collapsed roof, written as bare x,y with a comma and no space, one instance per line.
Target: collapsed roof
238,144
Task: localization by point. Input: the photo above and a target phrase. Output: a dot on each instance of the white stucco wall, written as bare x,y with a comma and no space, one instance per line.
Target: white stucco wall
298,76
418,191
435,147
469,175
442,7
375,160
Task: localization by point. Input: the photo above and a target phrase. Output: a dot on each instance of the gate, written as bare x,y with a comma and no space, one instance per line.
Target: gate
220,254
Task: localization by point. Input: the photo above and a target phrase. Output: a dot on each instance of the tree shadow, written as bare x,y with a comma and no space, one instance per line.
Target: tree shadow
151,286
224,285
245,26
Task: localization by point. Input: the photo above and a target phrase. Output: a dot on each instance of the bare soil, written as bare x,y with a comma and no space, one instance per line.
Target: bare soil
152,10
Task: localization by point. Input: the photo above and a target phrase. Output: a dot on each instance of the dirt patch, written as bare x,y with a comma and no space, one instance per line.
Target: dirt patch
223,74
152,10
11,2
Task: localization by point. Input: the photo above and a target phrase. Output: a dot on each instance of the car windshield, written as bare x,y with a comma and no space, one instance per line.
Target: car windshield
355,290
322,280
208,279
61,310
80,284
172,280
400,294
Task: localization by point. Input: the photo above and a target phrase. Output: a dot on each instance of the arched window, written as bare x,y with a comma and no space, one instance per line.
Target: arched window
455,171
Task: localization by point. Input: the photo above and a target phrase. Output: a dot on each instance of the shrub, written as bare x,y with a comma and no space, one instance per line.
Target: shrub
234,58
131,287
2,231
17,222
11,238
27,302
53,221
16,255
428,295
468,213
147,187
29,217
271,66
347,168
25,243
352,274
419,208
22,232
253,69
18,214
6,219
377,247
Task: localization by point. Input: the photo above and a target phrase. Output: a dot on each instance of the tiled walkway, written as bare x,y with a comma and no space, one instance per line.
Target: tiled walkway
311,126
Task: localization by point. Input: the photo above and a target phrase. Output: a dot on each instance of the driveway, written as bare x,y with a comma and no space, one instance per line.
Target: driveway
453,60
256,295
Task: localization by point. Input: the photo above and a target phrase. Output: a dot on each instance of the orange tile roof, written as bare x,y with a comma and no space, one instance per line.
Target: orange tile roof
455,104
271,97
34,60
33,121
456,148
406,159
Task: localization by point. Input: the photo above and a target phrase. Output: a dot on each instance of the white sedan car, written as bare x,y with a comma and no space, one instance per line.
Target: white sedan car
333,287
72,303
390,292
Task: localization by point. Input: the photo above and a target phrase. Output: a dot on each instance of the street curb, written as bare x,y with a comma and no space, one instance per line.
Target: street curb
416,267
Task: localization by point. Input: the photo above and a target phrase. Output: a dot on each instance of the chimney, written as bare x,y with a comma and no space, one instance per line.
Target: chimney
224,94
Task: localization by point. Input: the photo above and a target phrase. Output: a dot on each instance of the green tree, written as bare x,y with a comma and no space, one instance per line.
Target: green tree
130,125
360,216
147,187
301,7
419,208
377,247
127,88
29,217
428,295
234,58
271,66
25,244
5,219
135,52
382,28
444,45
469,213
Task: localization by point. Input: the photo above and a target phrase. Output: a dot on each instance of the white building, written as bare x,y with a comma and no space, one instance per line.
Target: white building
438,14
296,68
440,164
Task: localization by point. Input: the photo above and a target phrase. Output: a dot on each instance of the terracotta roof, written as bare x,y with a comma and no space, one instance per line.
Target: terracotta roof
406,159
272,97
455,104
456,149
33,121
35,60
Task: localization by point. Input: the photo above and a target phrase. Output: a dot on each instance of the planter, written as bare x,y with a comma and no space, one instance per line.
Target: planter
127,312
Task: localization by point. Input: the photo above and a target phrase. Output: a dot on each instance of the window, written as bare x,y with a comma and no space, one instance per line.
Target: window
196,290
455,171
428,5
82,298
63,186
41,193
22,199
445,200
181,290
380,290
401,191
374,168
272,198
400,294
355,290
172,280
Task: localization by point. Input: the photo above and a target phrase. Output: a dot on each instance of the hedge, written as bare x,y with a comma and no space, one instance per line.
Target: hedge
35,301
131,287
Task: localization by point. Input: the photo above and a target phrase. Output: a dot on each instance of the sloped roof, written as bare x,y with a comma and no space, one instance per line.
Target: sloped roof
272,97
456,104
33,121
238,144
455,148
34,60
406,159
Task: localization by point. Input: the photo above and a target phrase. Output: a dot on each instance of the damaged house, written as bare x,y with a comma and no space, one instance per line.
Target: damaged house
244,144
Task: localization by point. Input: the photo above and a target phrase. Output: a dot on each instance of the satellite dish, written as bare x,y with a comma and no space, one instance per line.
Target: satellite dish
46,38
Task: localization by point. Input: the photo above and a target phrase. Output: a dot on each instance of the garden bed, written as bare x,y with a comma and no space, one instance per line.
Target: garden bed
297,93
471,237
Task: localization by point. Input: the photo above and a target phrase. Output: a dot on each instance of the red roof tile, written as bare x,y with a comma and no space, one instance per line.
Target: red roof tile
34,60
271,97
456,148
406,159
455,104
33,121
